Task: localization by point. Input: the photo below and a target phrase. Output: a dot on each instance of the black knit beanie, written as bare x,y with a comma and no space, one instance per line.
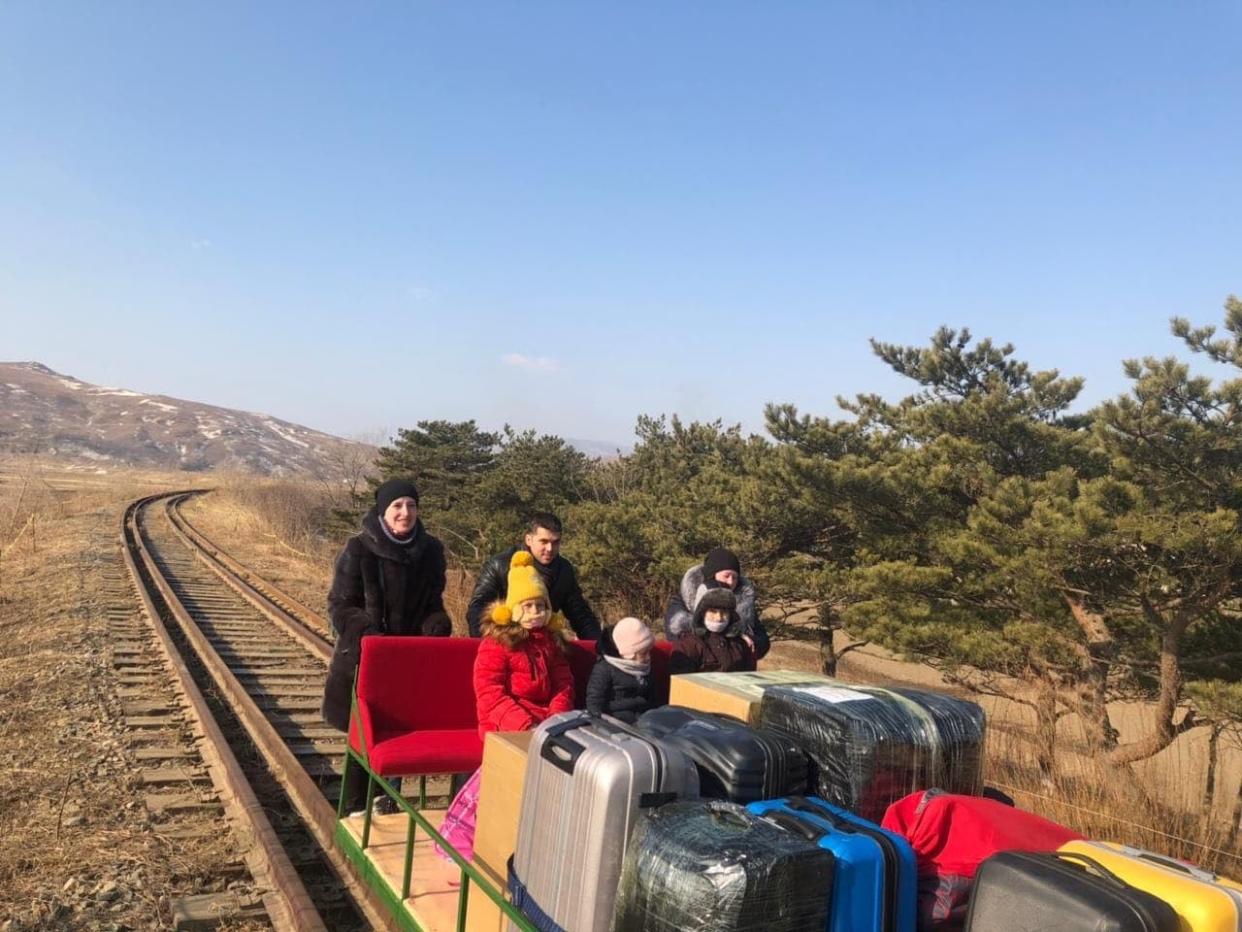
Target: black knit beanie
720,559
392,490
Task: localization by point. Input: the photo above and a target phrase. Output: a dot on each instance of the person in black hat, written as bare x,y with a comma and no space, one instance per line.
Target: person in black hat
388,579
720,569
714,643
543,542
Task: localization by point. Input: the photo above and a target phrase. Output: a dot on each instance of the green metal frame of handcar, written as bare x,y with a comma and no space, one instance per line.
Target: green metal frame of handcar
356,852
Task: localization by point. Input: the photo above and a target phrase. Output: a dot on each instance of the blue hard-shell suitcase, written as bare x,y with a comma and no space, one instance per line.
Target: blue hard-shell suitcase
876,885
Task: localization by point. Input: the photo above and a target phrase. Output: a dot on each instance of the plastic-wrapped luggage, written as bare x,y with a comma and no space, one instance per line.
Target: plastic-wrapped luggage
1204,901
586,781
1016,890
874,887
952,835
869,746
736,762
711,866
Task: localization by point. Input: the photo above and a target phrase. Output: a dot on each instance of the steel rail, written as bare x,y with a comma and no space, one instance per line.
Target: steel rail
287,902
245,581
315,810
314,641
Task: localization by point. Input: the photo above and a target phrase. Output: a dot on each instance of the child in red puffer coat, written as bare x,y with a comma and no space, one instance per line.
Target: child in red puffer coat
521,673
521,677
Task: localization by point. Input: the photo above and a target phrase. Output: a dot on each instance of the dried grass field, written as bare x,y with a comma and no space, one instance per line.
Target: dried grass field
77,847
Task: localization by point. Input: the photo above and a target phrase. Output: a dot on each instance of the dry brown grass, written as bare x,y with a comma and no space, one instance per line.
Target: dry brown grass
263,526
1113,804
27,502
69,813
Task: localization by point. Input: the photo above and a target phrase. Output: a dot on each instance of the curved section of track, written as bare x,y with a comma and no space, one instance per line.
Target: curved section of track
265,656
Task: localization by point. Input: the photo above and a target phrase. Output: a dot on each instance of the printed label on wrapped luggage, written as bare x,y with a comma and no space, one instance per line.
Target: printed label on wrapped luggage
751,685
832,693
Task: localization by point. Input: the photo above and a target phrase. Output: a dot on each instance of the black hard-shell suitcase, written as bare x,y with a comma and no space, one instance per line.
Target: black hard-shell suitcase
711,866
870,747
1016,891
736,762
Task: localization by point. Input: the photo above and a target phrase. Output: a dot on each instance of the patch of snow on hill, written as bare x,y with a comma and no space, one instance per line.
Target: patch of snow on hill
158,404
284,434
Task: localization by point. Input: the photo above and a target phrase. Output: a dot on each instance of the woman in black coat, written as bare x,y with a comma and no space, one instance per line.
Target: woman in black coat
389,579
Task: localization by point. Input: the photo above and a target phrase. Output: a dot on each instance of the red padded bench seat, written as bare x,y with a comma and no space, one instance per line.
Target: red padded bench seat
416,704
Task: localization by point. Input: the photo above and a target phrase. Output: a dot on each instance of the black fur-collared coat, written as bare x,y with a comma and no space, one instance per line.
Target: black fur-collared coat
380,587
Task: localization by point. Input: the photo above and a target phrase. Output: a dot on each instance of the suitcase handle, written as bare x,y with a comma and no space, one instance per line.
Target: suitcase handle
1093,865
789,823
1196,872
802,804
563,754
559,751
560,728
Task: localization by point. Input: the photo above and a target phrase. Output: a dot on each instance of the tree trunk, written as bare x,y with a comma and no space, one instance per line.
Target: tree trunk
1092,686
1166,730
1237,814
827,644
1046,730
1209,787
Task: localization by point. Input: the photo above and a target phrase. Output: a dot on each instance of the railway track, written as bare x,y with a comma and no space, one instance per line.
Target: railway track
249,664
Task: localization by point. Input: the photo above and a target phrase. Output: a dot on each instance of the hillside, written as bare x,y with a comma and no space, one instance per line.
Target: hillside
48,414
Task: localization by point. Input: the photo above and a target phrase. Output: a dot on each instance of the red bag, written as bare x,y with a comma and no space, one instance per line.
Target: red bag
951,835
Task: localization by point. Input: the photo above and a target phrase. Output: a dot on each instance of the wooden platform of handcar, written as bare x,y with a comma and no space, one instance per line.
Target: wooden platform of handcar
435,883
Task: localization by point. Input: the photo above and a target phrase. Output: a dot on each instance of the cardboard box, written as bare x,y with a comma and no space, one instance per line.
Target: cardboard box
500,799
482,915
735,694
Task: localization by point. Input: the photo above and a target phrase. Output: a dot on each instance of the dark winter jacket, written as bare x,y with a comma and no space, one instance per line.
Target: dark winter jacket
563,590
703,651
517,687
614,691
680,612
380,587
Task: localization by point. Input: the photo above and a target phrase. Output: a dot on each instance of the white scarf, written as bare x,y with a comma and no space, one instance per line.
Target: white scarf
632,667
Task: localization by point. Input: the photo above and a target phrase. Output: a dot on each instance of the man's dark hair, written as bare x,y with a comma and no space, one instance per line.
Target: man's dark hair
545,520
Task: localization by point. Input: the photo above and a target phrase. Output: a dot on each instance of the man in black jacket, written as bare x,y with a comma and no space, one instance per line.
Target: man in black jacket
543,540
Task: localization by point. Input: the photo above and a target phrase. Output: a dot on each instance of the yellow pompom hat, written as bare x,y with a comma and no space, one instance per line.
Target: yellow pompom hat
524,584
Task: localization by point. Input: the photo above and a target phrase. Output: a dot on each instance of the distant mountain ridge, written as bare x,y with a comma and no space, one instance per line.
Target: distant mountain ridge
601,449
43,412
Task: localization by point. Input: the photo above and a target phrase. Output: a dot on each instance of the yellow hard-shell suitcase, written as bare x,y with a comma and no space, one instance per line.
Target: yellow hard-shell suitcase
1203,901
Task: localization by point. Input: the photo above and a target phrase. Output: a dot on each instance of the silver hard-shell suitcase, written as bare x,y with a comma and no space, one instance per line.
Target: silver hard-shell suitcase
586,780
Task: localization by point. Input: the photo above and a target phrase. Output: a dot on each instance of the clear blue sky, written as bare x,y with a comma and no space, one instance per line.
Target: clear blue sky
563,215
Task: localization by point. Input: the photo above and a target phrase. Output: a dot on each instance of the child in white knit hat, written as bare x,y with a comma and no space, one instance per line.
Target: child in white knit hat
621,684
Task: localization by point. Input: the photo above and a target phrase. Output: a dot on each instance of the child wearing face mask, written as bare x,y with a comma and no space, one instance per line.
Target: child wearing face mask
521,673
714,642
620,683
521,677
